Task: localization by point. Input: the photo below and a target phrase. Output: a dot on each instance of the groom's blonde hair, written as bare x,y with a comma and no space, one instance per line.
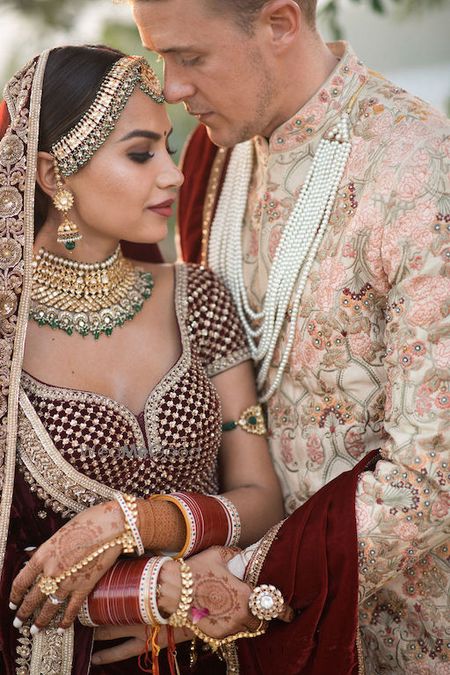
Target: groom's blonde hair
246,11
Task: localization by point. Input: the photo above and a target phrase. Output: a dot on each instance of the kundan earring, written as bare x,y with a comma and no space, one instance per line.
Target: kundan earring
68,232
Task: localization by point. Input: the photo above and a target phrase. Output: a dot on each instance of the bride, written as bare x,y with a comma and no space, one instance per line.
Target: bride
129,418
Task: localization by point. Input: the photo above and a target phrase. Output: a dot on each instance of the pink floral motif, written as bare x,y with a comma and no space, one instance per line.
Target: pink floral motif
348,251
417,262
441,506
332,275
253,245
314,449
442,399
304,354
274,240
442,354
424,399
428,296
364,519
354,443
360,344
287,453
406,531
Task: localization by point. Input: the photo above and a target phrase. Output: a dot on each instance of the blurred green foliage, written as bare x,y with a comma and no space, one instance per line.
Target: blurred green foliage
330,10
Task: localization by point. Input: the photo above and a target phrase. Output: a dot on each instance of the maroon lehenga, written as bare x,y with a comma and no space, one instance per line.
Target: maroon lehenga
76,447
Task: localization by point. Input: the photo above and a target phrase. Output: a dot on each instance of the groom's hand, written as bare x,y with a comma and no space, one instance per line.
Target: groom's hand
135,646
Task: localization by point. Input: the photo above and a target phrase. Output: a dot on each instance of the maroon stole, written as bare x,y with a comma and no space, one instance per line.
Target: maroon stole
198,194
313,561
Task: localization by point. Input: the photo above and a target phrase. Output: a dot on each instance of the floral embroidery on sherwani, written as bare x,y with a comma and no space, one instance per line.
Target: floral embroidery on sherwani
369,364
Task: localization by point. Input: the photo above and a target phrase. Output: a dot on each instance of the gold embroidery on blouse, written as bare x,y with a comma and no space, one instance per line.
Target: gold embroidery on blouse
67,486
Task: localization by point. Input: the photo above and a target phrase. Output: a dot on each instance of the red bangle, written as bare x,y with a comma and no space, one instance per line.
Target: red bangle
209,520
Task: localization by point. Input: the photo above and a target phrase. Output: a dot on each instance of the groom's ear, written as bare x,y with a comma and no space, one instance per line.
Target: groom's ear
283,19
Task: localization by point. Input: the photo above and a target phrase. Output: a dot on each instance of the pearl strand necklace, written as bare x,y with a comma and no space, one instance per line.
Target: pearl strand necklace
295,253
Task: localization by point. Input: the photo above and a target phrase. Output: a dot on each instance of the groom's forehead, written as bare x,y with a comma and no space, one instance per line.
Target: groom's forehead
172,26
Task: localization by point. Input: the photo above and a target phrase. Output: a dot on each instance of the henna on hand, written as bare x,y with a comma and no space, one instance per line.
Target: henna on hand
84,534
217,595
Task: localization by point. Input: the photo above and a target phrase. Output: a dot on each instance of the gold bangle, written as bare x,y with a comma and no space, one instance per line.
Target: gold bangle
215,643
180,616
49,585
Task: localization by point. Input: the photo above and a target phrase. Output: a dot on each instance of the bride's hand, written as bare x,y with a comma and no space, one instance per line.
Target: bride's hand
75,541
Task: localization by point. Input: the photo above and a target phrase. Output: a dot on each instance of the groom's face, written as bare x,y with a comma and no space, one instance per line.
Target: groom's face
220,72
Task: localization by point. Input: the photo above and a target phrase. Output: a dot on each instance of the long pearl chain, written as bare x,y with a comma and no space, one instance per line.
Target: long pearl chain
295,253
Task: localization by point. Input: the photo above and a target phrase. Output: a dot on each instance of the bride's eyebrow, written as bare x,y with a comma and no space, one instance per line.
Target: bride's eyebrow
141,133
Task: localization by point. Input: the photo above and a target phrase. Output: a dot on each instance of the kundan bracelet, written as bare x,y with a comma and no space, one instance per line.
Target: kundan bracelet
180,616
215,643
129,507
49,585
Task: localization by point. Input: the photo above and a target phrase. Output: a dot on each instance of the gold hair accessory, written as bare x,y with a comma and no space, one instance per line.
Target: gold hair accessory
76,147
251,420
90,298
266,602
68,232
179,618
49,585
216,644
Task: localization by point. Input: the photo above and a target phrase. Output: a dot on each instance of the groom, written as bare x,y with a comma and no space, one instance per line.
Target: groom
341,200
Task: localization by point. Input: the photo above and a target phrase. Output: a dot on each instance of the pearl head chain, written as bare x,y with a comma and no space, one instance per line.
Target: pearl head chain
295,253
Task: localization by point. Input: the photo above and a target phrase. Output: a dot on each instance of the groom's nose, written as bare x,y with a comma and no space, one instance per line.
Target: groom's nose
177,87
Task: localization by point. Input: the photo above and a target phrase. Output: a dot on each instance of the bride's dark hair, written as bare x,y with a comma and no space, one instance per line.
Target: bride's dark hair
73,76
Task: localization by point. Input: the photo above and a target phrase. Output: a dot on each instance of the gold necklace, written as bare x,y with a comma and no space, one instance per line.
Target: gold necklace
87,297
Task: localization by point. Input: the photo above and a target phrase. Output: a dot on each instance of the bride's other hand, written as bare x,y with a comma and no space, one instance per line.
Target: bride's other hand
216,590
74,542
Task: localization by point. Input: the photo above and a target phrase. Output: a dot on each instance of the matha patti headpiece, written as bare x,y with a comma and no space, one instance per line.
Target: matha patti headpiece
77,147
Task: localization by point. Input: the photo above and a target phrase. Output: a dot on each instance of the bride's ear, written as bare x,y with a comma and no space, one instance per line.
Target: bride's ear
45,173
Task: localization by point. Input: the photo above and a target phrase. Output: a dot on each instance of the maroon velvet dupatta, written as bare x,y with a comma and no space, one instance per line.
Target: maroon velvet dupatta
314,562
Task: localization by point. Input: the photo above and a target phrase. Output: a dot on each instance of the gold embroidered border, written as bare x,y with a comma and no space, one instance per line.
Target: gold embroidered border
359,651
52,653
19,342
179,369
210,200
44,449
259,556
231,658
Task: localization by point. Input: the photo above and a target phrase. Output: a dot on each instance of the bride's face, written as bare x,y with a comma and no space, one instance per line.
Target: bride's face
127,190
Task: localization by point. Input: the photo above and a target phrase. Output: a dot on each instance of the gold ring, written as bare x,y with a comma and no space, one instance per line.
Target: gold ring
48,585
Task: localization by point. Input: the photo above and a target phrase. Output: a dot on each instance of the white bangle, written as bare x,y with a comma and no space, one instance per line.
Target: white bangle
131,518
153,588
234,521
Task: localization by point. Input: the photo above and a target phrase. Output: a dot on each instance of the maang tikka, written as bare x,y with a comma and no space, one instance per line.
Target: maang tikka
68,232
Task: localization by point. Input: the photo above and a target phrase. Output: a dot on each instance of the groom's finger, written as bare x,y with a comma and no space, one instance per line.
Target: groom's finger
114,632
124,651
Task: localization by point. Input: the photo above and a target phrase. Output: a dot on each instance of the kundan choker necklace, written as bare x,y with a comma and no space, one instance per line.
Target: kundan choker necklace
294,257
90,298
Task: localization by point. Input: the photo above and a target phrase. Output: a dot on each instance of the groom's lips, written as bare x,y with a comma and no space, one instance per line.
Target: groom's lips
200,115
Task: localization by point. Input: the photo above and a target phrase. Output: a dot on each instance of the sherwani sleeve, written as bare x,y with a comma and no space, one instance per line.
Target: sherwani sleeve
402,507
